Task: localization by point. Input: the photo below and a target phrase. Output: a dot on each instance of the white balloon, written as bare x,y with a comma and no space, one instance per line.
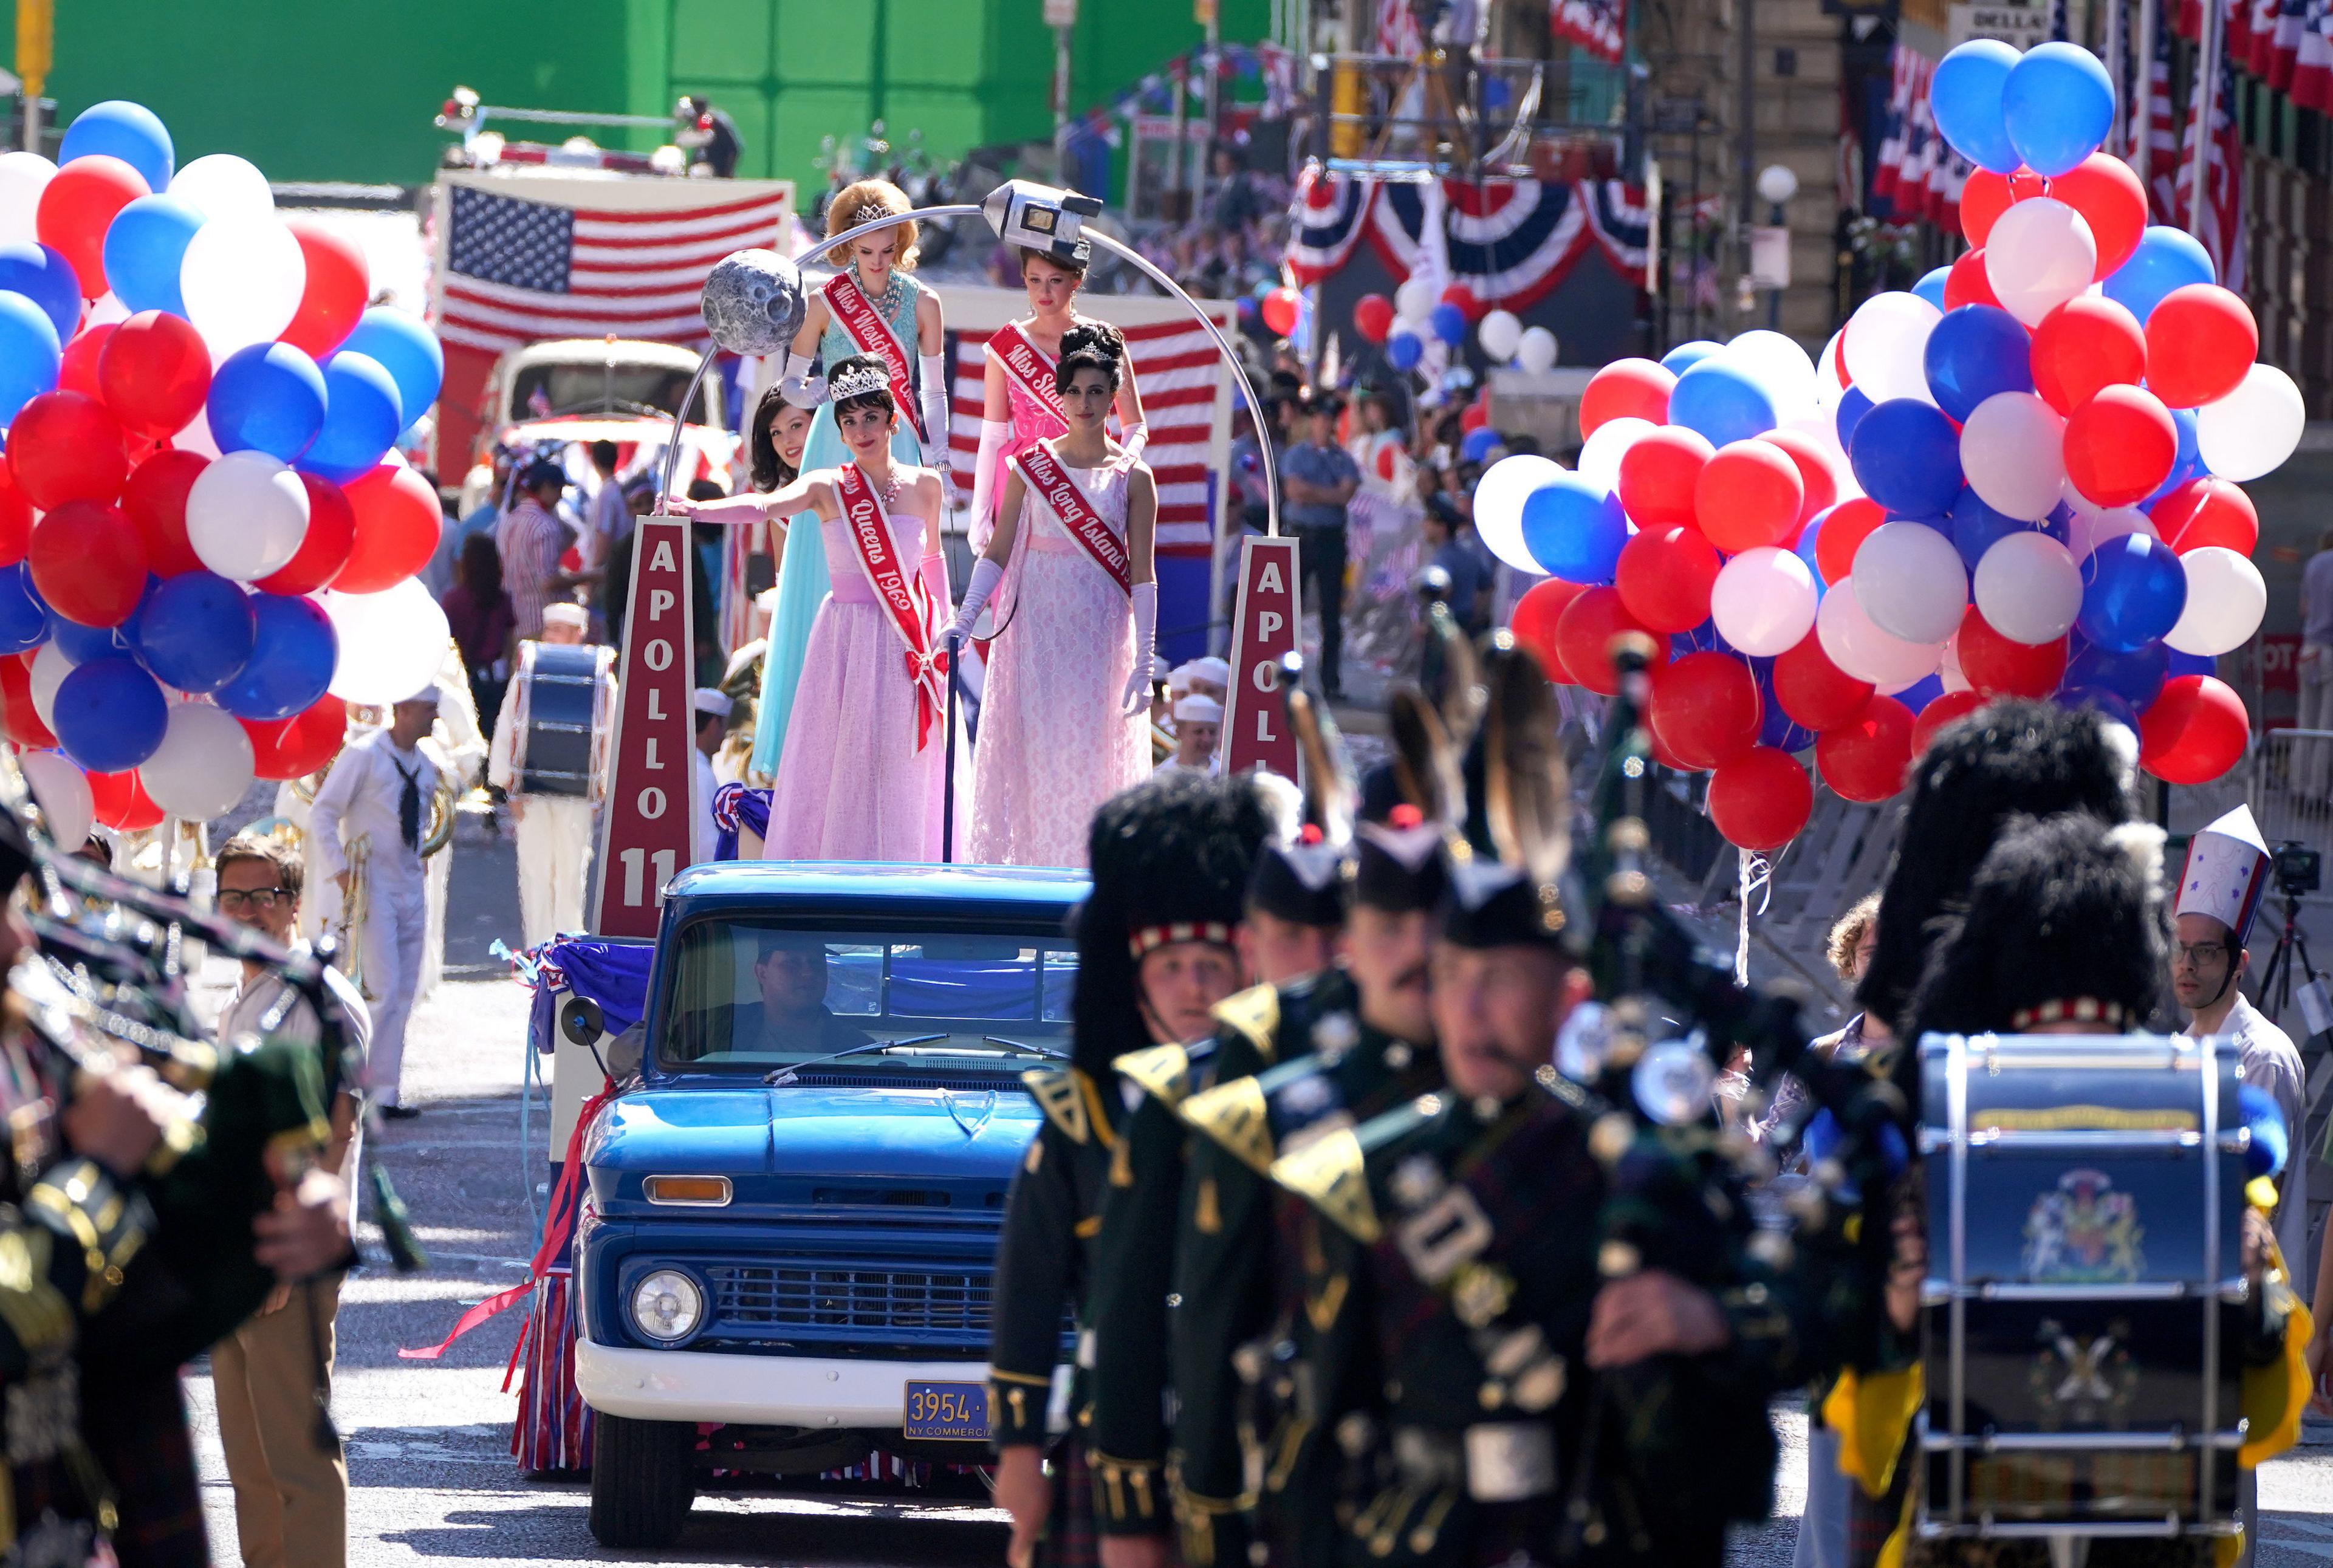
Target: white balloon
1763,601
1536,351
2029,588
1415,298
391,643
1828,389
1885,345
1499,499
63,792
2254,428
1779,366
50,667
1950,672
2089,530
2039,255
106,311
241,278
1599,457
1862,649
247,514
23,176
1911,582
219,185
204,765
1499,333
2012,450
2226,599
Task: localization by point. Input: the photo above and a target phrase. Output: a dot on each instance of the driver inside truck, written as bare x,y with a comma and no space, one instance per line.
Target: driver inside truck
791,1017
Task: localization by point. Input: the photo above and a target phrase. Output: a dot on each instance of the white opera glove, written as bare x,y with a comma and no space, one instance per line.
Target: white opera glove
934,368
985,575
798,386
994,434
1137,697
1134,438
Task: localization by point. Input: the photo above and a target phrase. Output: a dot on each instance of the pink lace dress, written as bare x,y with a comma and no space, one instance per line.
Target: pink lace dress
1054,745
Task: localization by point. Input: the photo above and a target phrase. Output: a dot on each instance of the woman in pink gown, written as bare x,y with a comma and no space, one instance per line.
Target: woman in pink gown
863,769
1064,718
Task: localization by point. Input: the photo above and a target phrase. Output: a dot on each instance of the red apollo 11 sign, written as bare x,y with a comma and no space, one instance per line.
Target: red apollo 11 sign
1264,628
647,830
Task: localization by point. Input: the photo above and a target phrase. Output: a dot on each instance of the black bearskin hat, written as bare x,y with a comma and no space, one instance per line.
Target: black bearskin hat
1174,852
2009,758
2064,922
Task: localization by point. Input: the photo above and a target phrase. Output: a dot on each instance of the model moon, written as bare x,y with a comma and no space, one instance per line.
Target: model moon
754,301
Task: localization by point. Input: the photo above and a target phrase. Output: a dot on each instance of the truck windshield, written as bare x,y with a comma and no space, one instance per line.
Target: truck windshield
759,996
560,390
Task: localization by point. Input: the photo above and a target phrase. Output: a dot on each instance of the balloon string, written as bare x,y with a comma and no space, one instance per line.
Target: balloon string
1753,874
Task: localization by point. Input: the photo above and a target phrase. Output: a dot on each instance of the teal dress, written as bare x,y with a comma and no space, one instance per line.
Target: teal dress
803,581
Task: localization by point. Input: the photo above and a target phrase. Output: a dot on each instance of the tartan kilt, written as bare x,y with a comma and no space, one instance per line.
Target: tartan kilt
1070,1540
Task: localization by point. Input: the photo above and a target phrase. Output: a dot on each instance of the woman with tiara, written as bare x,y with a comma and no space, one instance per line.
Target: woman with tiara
872,307
1064,716
864,763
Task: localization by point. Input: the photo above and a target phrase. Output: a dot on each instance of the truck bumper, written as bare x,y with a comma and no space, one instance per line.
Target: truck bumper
755,1390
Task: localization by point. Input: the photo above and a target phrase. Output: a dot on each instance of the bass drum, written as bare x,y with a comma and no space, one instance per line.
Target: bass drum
562,691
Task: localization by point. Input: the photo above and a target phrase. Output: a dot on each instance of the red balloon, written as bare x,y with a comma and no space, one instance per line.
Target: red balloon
2088,343
340,286
1997,666
1967,284
1626,389
1815,693
1940,712
324,549
154,373
1844,529
65,447
1659,472
89,562
20,721
15,519
1865,758
1279,311
1705,707
1988,195
1473,417
1584,634
2195,731
1747,494
123,802
2106,191
1469,307
1665,575
1373,317
293,748
2207,512
1760,799
155,500
2120,446
78,204
2200,342
398,524
1816,476
78,370
1534,619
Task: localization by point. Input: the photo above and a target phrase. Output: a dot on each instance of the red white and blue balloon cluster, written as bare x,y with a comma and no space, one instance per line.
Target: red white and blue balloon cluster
2023,477
208,537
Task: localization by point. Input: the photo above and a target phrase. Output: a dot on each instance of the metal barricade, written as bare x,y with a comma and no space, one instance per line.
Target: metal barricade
2291,790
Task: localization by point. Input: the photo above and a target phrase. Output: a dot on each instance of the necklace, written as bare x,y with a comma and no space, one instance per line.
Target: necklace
890,485
894,288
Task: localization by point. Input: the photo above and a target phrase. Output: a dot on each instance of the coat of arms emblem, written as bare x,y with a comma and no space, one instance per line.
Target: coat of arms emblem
2084,1232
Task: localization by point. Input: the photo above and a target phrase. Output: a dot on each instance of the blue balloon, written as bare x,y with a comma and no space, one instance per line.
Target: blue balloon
2136,676
2187,464
1722,402
1974,353
2056,106
1930,287
360,418
23,618
44,277
2133,590
408,350
2265,1155
1853,404
2181,664
292,658
1805,550
84,643
1702,639
1907,458
30,354
1403,350
144,246
266,398
1966,94
1476,446
1448,322
1922,692
2107,702
197,630
129,131
110,715
1774,727
1685,356
2166,259
1975,527
1574,529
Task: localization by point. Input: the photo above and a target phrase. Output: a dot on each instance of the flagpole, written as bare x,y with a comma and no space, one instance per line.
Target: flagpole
2142,114
2206,91
2119,62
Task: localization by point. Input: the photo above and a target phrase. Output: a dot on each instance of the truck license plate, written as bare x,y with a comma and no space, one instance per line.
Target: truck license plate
949,1411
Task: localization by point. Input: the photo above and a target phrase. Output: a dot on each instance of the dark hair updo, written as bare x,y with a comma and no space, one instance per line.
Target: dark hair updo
879,397
1074,265
1091,346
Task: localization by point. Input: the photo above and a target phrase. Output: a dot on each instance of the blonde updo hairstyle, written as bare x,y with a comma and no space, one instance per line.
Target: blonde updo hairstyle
863,202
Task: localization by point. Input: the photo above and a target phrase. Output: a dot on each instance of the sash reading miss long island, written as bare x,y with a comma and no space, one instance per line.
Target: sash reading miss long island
899,591
873,335
1051,482
1028,368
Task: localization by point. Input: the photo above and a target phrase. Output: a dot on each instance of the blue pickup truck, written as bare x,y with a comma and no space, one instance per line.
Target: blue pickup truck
792,1211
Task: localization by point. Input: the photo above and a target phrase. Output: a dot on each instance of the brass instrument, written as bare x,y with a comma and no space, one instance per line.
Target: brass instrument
353,913
437,828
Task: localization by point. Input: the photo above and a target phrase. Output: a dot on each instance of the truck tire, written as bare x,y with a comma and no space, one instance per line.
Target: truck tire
643,1478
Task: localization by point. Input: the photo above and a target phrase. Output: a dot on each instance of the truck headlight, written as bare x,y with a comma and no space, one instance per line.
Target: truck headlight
668,1305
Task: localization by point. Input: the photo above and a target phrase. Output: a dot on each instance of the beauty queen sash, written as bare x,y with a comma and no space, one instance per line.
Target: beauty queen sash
1029,369
873,335
1051,482
899,591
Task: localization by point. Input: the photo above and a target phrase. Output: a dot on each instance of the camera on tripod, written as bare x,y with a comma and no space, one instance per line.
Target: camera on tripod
2300,870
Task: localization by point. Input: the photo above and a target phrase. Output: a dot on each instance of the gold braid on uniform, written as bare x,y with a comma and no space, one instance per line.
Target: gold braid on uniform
1124,1489
79,1196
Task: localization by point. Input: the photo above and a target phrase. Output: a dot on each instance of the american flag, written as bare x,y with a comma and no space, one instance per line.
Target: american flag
2161,138
1596,27
2312,69
2221,227
1397,29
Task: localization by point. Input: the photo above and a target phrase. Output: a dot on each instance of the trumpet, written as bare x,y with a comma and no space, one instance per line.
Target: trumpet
352,913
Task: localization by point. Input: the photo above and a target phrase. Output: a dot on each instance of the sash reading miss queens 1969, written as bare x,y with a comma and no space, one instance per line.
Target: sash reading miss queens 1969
873,335
1030,369
899,591
1051,482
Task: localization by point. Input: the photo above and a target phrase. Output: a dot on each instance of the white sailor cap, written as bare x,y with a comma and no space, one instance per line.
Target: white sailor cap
428,693
1178,679
1212,670
712,703
1200,710
565,612
2227,873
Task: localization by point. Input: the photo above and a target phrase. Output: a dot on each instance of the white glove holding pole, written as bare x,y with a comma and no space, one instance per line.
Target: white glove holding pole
1137,697
985,575
798,386
935,402
994,434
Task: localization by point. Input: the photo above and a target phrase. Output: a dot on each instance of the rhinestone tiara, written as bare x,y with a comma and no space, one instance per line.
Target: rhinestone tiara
857,382
868,213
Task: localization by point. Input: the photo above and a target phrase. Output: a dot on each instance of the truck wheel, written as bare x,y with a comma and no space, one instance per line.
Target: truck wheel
643,1478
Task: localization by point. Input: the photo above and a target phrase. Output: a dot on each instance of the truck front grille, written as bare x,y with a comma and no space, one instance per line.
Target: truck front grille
940,1302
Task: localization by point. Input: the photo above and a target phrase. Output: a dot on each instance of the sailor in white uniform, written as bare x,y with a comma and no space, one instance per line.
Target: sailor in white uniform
555,831
712,709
